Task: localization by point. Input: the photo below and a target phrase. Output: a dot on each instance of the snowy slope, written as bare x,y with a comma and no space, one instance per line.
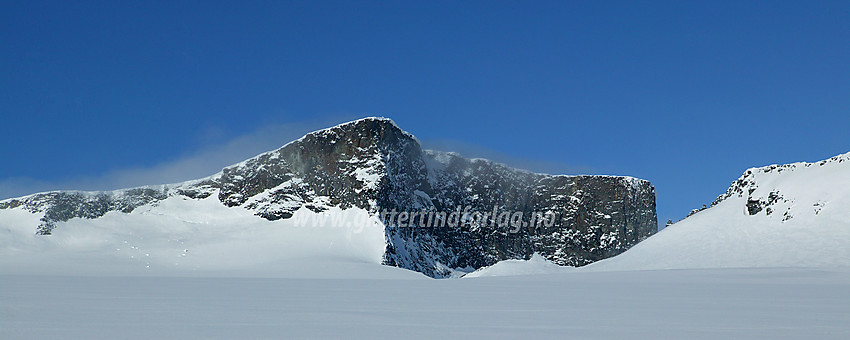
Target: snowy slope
181,236
794,215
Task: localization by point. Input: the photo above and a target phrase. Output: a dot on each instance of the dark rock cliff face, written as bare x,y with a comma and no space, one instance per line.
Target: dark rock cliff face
374,165
594,217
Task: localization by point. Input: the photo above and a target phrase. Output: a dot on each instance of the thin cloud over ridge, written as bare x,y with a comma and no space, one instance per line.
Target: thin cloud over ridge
211,159
469,150
204,162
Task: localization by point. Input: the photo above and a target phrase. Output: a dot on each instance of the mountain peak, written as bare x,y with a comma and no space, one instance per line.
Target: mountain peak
366,124
372,165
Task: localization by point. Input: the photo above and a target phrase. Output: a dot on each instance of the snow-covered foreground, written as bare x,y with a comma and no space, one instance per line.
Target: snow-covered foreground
671,304
771,261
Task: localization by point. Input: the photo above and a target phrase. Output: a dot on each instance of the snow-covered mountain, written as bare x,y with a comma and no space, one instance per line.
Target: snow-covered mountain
321,197
793,215
198,240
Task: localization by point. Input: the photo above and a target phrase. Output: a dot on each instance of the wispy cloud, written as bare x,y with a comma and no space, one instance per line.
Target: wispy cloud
536,165
201,163
212,158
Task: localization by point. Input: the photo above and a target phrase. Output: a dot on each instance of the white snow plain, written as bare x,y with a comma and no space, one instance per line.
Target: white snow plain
668,304
187,269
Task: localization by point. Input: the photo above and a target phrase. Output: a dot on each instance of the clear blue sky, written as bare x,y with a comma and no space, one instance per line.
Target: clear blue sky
685,94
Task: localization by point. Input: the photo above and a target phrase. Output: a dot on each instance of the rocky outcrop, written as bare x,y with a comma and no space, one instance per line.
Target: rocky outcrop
374,165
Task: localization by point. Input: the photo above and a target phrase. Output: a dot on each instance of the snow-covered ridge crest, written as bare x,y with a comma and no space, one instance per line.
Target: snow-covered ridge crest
748,183
792,215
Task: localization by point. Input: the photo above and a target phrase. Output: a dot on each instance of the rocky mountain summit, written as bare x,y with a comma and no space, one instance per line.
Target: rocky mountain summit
372,164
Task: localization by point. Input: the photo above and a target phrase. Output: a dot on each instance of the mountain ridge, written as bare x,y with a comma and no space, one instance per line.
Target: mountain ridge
372,164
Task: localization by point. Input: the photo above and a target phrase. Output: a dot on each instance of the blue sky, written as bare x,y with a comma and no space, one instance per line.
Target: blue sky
107,94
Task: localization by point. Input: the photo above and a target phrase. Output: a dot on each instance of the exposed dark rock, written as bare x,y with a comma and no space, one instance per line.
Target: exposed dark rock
755,205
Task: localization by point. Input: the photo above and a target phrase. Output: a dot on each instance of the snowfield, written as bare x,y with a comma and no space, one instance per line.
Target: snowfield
668,304
180,236
175,270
